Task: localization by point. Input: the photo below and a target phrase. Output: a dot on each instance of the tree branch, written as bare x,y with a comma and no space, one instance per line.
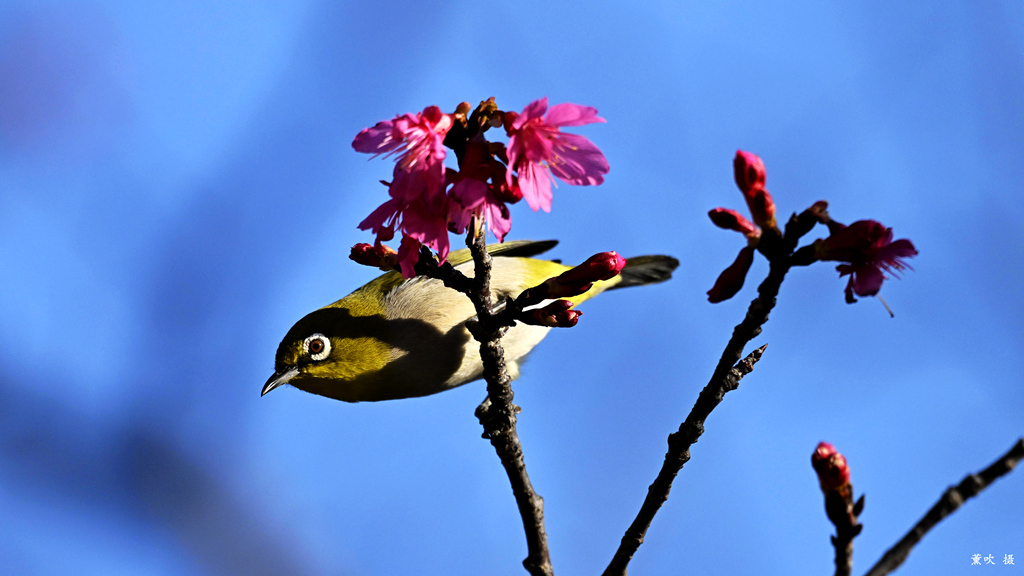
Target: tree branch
843,512
953,498
679,443
778,249
497,414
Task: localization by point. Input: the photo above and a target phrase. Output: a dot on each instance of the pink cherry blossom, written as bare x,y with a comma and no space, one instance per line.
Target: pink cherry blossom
418,223
418,139
474,197
422,225
868,253
537,149
418,205
471,195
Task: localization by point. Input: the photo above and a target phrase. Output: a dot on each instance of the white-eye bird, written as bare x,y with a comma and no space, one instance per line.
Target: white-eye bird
395,338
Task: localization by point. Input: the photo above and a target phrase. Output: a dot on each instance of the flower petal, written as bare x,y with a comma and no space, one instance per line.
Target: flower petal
469,192
408,256
867,280
535,184
499,220
568,114
377,221
429,228
377,139
901,248
578,161
533,110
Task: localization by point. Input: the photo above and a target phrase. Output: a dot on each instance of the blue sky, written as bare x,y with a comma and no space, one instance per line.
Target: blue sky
177,187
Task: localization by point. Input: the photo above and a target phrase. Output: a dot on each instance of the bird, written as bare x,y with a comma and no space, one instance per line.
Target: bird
399,338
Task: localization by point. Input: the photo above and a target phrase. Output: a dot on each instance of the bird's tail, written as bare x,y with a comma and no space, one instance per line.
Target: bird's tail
642,270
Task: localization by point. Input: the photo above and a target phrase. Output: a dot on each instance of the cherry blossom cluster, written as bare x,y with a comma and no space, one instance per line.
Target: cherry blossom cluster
865,249
428,199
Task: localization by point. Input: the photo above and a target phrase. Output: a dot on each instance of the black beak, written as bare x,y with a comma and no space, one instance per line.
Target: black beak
280,377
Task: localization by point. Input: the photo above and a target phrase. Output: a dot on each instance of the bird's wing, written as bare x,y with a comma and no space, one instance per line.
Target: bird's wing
517,248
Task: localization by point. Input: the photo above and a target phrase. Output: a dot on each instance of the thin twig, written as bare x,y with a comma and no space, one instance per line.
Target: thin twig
778,249
843,513
678,454
953,498
843,543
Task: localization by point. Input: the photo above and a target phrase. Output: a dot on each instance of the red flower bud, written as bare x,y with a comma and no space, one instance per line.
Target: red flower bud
830,465
762,208
578,280
509,118
558,314
750,174
378,256
749,171
556,289
733,220
731,279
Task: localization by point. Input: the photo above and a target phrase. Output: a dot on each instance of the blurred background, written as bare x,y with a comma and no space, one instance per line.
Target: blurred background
177,187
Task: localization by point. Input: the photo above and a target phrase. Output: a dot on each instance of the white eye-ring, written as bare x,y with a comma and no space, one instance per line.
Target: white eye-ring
318,346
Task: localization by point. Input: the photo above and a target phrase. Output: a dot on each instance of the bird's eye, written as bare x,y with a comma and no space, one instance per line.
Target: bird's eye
318,346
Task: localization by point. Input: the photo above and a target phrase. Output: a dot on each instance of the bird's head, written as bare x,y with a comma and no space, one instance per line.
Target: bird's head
332,353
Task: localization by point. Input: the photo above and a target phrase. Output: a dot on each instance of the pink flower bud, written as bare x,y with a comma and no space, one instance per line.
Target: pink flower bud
379,256
556,289
600,266
578,280
749,171
733,220
558,314
830,465
731,279
567,318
